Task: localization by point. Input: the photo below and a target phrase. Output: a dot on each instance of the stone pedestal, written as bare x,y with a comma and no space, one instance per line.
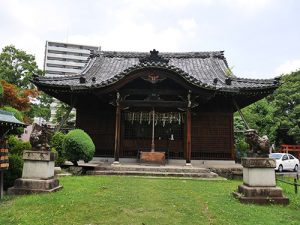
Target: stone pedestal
38,174
259,183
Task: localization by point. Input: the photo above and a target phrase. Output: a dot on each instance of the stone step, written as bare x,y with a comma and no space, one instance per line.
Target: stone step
162,169
153,173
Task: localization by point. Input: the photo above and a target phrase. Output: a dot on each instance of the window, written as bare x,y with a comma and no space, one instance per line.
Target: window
285,157
291,157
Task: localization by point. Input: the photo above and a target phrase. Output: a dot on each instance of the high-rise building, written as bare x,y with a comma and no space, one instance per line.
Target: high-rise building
64,58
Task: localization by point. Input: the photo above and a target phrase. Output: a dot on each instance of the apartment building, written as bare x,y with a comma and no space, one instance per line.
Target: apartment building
64,58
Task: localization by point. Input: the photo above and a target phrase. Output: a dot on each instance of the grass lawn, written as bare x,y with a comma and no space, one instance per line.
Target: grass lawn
138,200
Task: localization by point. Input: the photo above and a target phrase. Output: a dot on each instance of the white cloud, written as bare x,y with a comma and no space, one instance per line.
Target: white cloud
187,24
248,6
288,67
125,38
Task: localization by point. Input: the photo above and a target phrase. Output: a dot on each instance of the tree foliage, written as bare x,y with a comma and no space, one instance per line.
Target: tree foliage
278,115
61,111
17,67
16,97
286,101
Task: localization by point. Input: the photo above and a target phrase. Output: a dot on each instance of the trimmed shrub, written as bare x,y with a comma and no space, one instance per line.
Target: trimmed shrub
56,144
78,145
17,146
14,171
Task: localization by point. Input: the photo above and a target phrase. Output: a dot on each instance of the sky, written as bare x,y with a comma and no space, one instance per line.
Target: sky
261,38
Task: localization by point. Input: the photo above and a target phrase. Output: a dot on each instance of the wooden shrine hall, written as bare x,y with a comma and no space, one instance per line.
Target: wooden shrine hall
178,103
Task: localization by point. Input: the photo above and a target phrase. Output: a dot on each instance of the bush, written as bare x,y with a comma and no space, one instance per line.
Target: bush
17,146
78,145
56,144
14,171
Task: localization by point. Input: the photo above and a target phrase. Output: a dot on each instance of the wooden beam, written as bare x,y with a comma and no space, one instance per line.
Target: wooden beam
241,114
150,91
153,103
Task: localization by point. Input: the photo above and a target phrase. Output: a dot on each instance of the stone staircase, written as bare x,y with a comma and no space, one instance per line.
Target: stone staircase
156,171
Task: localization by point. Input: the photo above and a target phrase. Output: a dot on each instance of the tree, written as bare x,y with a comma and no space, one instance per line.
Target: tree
63,110
17,67
286,101
41,108
16,97
278,115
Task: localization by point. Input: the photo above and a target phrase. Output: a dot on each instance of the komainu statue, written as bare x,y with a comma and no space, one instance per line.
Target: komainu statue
40,137
259,146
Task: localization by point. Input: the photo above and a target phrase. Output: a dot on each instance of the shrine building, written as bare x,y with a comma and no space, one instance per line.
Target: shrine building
178,103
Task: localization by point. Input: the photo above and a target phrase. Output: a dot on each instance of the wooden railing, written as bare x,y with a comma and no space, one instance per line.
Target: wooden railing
291,149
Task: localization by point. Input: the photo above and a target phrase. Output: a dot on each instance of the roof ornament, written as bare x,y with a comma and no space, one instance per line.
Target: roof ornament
82,80
228,80
215,80
154,57
93,54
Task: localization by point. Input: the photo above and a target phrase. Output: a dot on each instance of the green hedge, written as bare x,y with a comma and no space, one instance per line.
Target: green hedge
56,144
14,171
17,146
78,145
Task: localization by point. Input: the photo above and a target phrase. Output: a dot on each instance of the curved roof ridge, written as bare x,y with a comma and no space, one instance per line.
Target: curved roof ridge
126,54
253,79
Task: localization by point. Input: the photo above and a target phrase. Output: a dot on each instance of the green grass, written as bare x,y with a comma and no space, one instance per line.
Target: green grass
137,200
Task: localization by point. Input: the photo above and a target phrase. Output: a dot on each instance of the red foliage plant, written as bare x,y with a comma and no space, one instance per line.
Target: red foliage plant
16,97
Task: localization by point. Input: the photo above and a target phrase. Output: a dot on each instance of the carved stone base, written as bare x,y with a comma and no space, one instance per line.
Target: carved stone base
260,195
259,183
28,186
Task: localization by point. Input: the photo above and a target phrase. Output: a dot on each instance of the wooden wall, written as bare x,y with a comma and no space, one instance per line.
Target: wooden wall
100,125
212,135
212,132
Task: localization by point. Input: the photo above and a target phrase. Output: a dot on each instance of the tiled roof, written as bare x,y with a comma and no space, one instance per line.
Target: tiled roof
203,69
8,118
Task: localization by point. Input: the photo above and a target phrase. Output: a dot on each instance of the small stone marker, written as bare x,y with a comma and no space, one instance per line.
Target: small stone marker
38,174
259,183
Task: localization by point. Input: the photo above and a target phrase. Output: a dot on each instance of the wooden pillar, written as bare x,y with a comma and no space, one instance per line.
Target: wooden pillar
117,130
188,143
188,131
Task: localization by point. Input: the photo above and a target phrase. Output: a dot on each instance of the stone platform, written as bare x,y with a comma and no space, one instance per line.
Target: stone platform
260,195
259,183
150,170
38,174
30,186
